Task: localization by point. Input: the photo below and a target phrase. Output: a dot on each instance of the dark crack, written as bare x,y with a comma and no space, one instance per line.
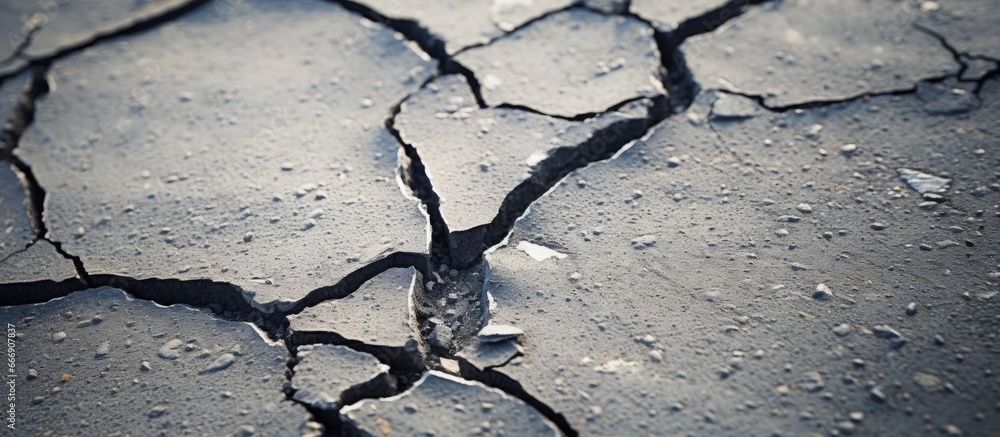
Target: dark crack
19,49
468,246
418,181
17,122
128,30
501,381
402,375
517,28
428,41
677,78
350,283
955,53
760,100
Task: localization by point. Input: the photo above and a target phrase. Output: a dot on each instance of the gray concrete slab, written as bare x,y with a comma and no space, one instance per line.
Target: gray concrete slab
667,15
327,376
16,232
463,23
12,90
100,363
38,262
43,29
967,25
795,52
569,63
687,301
378,313
280,179
440,404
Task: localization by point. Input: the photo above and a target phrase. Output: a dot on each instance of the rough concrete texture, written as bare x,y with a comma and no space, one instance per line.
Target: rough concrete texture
12,91
36,263
476,156
667,15
377,313
278,180
440,404
967,25
606,60
325,376
464,23
39,29
638,218
776,50
16,232
688,303
99,363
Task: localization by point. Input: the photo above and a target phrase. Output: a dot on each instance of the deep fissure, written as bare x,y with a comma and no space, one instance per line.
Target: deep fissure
230,302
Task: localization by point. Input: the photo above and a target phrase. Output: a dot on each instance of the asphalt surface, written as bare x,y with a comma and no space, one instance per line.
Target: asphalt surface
548,217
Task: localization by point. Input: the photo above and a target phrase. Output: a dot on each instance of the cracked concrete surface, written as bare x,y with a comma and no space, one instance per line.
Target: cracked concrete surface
17,232
476,156
302,127
169,370
499,218
481,21
42,29
441,404
775,50
613,59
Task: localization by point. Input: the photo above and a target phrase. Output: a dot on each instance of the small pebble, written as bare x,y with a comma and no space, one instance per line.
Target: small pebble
221,363
103,349
822,292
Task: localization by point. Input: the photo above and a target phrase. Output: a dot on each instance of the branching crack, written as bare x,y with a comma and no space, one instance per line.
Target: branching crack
468,246
428,41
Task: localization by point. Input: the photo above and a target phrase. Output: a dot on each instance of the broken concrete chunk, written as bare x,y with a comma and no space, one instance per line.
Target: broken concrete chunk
497,333
538,252
446,404
483,354
326,376
441,337
923,182
733,107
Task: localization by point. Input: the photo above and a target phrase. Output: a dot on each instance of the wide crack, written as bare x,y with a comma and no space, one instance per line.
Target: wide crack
459,253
